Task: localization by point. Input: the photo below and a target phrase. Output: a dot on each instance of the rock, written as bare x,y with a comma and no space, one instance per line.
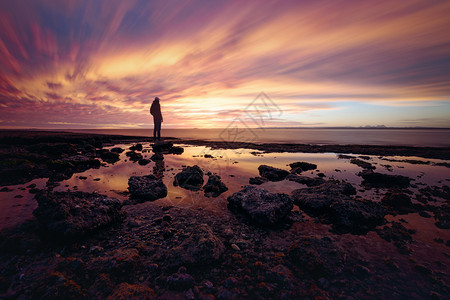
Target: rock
66,214
143,161
146,188
201,247
305,180
442,216
362,164
176,150
397,200
138,147
109,157
126,291
235,247
158,156
134,156
260,206
57,286
317,200
357,217
398,234
257,180
191,178
271,173
298,167
162,146
180,281
372,179
117,150
317,257
214,187
282,275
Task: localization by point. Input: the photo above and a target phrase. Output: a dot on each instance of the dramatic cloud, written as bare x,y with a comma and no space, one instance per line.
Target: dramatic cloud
78,64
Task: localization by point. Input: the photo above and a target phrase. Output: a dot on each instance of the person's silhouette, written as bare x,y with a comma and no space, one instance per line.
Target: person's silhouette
155,111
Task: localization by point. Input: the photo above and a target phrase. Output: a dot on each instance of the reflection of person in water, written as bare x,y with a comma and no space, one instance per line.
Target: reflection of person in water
155,111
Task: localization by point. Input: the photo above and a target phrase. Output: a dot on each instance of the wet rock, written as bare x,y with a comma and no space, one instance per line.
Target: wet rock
117,150
301,166
144,161
56,285
134,156
66,214
146,188
372,179
162,146
442,216
436,191
257,180
397,200
362,164
126,291
180,281
399,235
260,206
191,178
317,200
282,275
271,173
138,147
317,257
201,247
158,156
214,187
308,181
6,190
110,157
176,150
357,217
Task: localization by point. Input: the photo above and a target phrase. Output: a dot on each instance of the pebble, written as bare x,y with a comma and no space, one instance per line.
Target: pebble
235,247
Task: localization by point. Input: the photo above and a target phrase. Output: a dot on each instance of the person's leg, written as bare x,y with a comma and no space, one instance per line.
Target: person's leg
158,129
155,129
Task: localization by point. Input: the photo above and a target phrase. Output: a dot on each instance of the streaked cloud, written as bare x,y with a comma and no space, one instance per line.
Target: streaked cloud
100,63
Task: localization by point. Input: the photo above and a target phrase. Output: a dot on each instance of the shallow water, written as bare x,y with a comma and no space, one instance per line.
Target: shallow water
235,166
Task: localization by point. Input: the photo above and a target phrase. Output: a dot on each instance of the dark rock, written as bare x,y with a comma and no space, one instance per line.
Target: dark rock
362,164
6,190
260,206
110,157
257,180
134,156
158,156
317,200
271,173
176,150
398,234
146,188
138,147
180,281
162,146
298,167
305,180
57,286
357,217
442,216
424,214
372,179
66,214
126,291
191,178
117,150
201,247
214,187
317,257
397,200
31,186
143,161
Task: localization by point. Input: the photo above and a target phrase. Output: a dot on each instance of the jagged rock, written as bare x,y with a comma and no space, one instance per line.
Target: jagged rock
317,257
308,181
66,214
362,164
126,291
214,187
162,146
146,188
176,150
271,173
372,179
397,200
317,200
110,157
180,281
134,156
257,180
442,216
357,217
260,206
143,161
398,234
191,178
201,247
138,147
298,167
117,150
158,156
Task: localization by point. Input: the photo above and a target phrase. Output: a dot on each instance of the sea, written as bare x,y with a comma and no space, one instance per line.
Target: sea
418,137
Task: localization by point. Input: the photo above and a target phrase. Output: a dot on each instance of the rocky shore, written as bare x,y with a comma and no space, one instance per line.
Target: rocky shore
322,240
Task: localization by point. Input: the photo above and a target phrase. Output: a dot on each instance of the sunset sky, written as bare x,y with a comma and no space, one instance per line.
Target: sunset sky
99,64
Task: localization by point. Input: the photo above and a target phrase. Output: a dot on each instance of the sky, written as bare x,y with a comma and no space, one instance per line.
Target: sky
310,63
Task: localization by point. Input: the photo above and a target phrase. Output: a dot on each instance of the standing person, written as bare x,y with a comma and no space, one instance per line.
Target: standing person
155,111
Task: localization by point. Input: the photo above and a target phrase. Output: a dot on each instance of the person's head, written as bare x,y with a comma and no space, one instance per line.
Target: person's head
156,98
